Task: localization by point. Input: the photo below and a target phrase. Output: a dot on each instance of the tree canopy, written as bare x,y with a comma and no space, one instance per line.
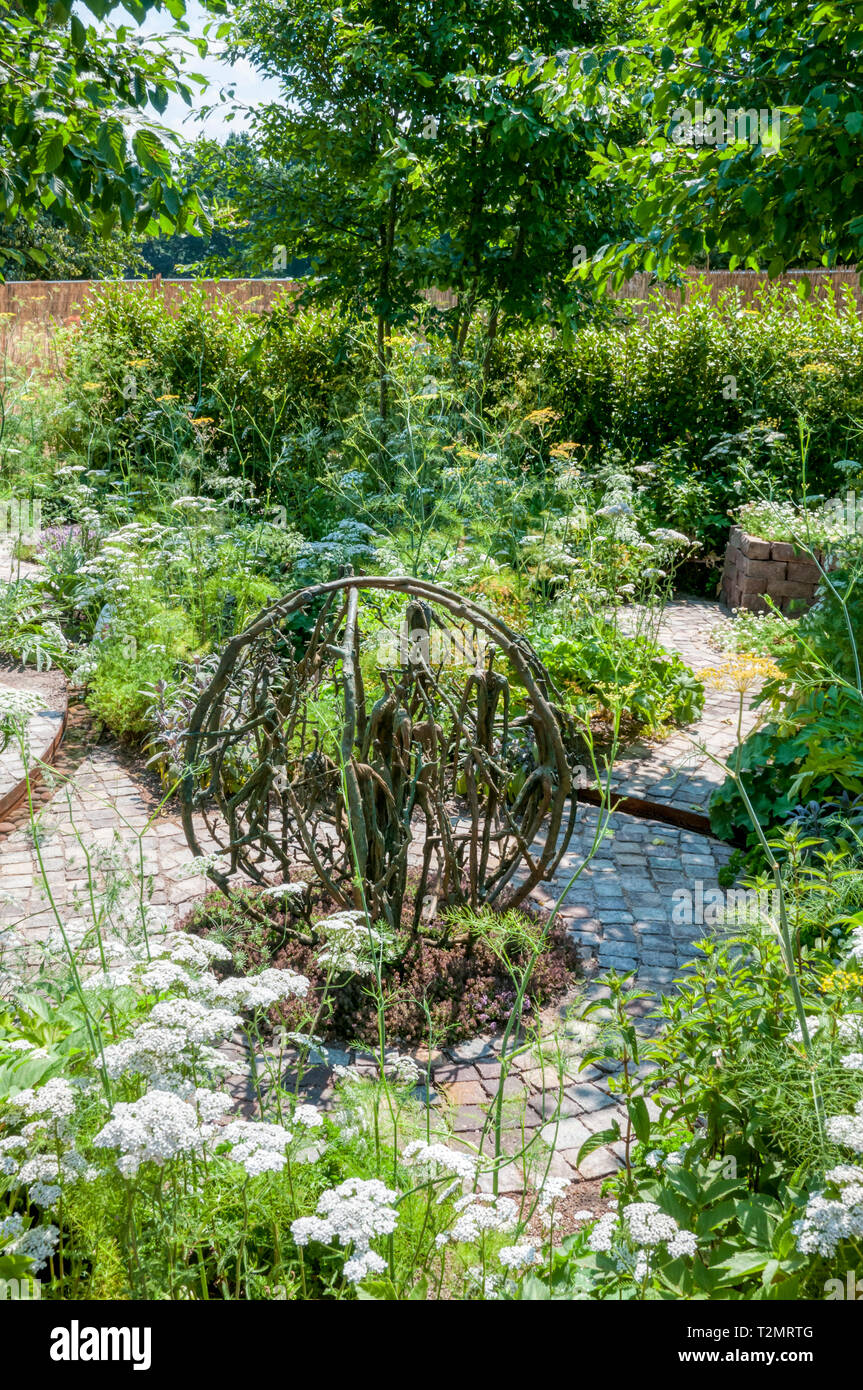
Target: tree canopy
411,156
793,195
79,134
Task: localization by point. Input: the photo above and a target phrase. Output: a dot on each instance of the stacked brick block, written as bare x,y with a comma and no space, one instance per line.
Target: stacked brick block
756,570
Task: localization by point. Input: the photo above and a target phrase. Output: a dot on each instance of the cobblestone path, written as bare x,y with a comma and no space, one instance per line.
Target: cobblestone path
619,911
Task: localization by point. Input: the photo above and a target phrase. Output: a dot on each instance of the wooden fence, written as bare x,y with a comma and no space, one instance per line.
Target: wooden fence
32,310
750,284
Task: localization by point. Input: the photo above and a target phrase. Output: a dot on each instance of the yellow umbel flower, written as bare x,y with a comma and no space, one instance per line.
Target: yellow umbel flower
541,417
564,450
841,981
740,673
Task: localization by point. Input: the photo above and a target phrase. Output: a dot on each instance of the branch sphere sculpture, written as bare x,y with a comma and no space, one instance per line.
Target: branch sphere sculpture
404,745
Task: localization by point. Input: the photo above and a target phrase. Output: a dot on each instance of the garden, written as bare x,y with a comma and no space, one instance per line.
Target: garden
431,709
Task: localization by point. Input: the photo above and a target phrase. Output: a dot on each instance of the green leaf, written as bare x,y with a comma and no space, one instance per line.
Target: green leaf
640,1118
598,1141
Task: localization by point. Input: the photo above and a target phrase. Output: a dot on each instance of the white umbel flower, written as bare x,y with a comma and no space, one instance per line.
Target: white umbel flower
158,1127
352,1214
257,1146
517,1257
439,1156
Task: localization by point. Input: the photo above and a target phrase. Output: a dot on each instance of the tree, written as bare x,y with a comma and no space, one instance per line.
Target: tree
407,157
768,168
239,189
46,249
75,136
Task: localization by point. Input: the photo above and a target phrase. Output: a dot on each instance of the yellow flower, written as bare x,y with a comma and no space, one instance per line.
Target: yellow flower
564,450
137,362
541,417
740,673
92,386
27,398
841,981
202,420
820,368
167,398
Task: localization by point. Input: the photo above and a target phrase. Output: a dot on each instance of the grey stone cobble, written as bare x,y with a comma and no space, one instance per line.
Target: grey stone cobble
619,912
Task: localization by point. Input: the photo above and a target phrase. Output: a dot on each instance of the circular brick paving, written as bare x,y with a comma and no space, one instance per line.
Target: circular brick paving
620,912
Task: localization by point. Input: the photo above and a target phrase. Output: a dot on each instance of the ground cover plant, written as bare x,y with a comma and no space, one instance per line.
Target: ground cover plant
396,1057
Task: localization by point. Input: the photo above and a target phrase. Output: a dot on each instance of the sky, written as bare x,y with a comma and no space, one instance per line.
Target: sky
249,88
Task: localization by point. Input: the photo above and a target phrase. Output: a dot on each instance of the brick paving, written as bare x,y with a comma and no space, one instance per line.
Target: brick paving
41,733
672,771
619,912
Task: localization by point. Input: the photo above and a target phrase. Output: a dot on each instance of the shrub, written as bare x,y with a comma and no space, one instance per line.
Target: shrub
711,395
812,749
656,687
143,373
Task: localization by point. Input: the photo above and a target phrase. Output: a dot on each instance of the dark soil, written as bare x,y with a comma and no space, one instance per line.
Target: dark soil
463,985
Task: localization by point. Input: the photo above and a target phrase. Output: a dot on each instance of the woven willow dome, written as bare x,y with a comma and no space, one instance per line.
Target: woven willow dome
405,741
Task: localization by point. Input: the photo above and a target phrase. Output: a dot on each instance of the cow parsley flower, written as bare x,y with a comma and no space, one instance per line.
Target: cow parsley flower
50,1106
260,991
482,1215
848,1129
637,1230
601,1238
352,1214
796,1034
403,1070
66,1168
161,975
682,1245
517,1256
199,1023
44,1194
36,1243
351,944
307,1115
440,1156
358,1266
827,1221
648,1225
195,951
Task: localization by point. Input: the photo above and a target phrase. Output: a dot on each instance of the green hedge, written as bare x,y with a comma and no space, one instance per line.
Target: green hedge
141,372
701,393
